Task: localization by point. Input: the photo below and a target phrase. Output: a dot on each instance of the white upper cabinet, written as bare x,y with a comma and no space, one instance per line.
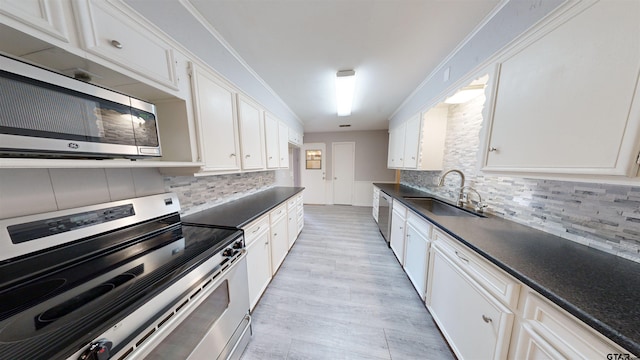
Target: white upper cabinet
283,145
396,147
411,141
418,143
110,32
251,134
44,19
215,112
295,137
567,101
271,129
432,138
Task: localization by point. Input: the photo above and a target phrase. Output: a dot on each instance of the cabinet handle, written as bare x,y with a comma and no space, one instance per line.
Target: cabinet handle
247,156
486,319
413,158
270,157
493,149
400,227
232,155
462,258
116,44
267,242
256,230
275,234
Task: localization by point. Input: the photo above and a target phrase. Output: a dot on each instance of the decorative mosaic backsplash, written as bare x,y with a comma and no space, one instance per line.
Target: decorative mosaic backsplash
200,193
602,216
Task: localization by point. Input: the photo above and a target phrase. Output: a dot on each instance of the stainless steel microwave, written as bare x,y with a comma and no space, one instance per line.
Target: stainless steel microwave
43,113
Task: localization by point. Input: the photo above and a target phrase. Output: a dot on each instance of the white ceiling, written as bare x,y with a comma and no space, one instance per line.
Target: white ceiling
297,46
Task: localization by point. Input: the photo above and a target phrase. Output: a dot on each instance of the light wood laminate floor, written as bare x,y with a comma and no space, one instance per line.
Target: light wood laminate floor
341,294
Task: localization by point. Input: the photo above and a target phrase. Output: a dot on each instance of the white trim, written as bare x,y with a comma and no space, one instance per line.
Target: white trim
203,21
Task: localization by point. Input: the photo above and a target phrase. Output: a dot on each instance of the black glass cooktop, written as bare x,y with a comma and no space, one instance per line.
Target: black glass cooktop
57,300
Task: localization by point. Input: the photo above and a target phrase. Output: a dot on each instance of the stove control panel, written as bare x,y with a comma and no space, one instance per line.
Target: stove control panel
20,233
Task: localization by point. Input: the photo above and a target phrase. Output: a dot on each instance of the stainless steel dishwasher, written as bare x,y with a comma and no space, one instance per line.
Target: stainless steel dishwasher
384,215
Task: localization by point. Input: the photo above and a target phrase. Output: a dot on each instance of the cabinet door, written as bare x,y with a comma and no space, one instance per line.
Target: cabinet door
432,139
292,231
416,258
475,325
279,243
300,209
111,34
411,142
283,133
530,346
215,115
251,134
258,267
568,102
396,147
397,236
271,138
44,16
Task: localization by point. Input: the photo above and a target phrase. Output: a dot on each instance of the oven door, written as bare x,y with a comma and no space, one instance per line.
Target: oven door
214,324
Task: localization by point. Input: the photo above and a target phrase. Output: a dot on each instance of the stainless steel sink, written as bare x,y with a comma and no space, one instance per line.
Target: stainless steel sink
439,208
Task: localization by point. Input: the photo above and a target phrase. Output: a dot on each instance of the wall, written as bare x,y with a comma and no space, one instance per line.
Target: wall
200,193
514,18
371,152
33,191
606,217
370,160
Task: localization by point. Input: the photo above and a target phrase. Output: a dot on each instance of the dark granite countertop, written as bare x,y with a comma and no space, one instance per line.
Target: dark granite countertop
240,212
601,289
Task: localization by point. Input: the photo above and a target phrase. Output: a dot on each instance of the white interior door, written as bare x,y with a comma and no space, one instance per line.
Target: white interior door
344,162
312,170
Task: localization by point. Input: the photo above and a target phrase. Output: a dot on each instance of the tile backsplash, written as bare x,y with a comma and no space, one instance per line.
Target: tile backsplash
200,193
603,216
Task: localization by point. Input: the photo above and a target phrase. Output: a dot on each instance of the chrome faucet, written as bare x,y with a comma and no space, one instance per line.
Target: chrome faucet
480,206
461,193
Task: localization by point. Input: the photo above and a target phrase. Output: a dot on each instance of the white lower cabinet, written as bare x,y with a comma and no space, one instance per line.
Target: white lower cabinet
417,252
398,231
292,221
549,332
258,258
300,212
474,323
279,238
376,197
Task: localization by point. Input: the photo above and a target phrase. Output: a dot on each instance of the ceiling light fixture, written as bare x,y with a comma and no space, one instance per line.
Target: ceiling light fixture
345,84
465,94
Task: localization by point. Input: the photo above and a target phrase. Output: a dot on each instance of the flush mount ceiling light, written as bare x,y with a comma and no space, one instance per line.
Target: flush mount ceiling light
345,84
465,94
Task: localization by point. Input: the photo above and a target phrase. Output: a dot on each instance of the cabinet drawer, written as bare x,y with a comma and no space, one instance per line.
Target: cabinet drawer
397,206
494,280
255,229
277,213
420,224
111,34
563,332
292,203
